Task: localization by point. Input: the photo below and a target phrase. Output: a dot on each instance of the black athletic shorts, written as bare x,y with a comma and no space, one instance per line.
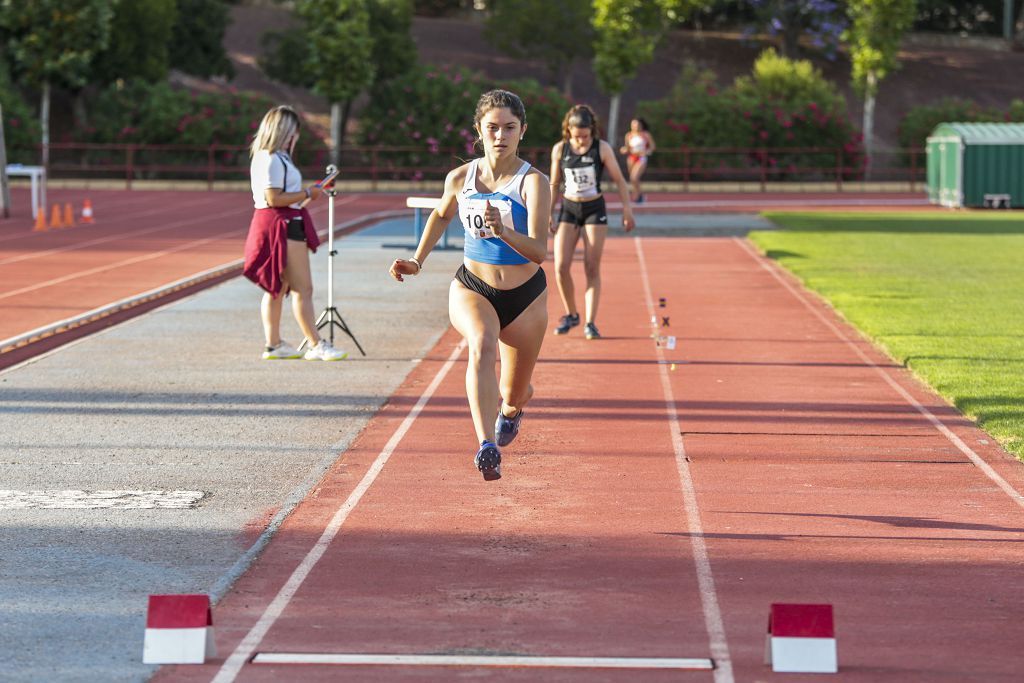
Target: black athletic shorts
507,303
592,212
296,229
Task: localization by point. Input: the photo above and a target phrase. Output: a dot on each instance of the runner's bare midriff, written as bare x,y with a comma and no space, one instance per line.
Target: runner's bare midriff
502,277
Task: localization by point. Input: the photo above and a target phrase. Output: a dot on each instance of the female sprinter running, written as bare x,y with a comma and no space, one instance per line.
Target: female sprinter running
581,158
639,146
498,298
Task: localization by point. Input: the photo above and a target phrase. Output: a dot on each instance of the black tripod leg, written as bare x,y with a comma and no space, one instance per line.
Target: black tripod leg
340,322
331,317
322,322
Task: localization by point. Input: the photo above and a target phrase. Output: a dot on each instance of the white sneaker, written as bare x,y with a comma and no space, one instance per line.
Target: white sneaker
281,351
324,351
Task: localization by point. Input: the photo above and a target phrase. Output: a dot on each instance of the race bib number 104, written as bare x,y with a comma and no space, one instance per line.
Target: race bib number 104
473,217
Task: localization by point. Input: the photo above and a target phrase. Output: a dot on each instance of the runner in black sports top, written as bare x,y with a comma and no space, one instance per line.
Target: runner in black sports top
580,159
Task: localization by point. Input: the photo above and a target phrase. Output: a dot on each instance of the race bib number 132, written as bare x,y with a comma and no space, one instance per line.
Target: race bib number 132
580,180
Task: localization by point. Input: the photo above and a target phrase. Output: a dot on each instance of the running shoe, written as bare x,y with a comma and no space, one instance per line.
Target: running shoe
590,331
507,428
488,461
325,351
281,351
567,322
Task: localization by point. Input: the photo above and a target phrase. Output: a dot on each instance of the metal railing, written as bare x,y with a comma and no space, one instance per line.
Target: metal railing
756,166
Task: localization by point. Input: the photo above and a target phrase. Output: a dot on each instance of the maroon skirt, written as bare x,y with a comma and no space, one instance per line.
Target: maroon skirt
266,245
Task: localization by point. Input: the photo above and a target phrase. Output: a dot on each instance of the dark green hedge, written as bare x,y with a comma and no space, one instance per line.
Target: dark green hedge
782,104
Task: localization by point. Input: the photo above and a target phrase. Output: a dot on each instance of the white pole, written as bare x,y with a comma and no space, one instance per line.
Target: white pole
330,258
613,121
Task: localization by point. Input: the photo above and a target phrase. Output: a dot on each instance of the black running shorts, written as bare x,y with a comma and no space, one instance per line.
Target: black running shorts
296,229
592,212
507,303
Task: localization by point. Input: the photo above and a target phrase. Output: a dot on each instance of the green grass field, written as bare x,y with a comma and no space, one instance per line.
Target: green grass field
941,293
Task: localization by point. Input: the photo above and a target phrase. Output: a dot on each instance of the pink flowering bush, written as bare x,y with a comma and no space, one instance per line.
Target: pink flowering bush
781,106
157,114
920,121
428,113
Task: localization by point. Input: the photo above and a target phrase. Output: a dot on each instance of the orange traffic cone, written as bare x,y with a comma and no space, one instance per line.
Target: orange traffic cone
69,216
87,212
55,219
40,220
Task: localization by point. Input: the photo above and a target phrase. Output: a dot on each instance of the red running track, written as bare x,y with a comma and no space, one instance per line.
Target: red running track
140,241
143,240
651,512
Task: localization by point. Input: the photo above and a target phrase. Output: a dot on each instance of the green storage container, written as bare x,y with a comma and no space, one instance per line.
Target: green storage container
976,164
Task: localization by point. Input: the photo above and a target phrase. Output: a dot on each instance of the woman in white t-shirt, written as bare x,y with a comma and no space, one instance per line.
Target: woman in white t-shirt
281,236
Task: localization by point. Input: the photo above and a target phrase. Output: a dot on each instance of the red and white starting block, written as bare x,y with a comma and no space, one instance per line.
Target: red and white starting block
179,630
801,639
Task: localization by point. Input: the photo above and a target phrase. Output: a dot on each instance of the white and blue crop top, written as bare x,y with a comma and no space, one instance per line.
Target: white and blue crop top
481,244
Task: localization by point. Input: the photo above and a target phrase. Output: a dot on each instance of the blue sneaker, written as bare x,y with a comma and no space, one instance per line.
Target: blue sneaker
567,322
507,428
488,461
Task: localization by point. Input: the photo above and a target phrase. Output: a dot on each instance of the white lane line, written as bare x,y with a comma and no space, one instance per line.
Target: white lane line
233,665
345,200
705,579
96,500
978,461
121,236
298,494
115,307
118,264
676,663
111,206
102,311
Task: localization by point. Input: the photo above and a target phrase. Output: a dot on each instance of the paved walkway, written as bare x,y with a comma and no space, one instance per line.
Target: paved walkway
179,400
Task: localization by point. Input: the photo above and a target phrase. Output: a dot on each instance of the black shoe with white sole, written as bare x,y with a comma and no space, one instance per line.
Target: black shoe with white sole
488,461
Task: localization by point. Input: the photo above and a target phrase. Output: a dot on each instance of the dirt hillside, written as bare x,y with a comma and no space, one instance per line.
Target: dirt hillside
929,72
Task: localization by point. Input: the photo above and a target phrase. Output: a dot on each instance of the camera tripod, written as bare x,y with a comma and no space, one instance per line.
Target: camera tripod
330,317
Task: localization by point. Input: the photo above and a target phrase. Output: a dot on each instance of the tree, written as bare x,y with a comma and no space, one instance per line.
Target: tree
21,128
822,21
394,51
139,36
965,17
282,51
5,192
341,56
1019,35
557,32
197,43
393,54
342,49
625,35
873,39
54,41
